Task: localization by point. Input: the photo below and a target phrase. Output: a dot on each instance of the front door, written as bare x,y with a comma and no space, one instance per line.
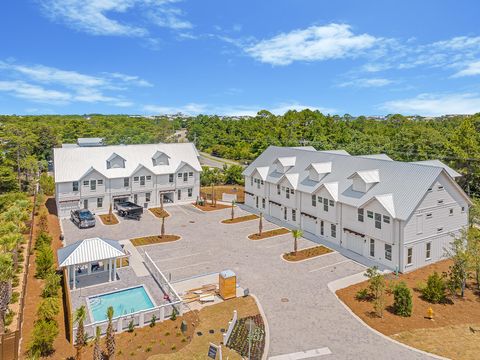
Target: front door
85,204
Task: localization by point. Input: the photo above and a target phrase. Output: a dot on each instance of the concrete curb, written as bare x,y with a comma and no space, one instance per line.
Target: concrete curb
267,329
269,237
312,258
333,287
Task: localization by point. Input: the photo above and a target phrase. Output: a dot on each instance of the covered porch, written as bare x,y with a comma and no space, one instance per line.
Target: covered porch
92,261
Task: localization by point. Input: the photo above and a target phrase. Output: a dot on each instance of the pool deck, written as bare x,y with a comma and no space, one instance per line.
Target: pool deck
126,279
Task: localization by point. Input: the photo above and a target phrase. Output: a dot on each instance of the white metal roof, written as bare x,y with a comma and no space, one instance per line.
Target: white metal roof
287,161
438,163
404,183
321,168
377,156
89,250
369,176
71,164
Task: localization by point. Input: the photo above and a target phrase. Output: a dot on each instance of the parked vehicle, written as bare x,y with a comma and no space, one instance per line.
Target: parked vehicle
129,210
82,218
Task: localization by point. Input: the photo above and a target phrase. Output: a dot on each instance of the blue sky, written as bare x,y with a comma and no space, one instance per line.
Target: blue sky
237,57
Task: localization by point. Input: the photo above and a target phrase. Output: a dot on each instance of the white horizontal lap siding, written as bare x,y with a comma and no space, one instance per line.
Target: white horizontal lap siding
179,181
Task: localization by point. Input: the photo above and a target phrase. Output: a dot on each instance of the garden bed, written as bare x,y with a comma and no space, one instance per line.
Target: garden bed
240,219
159,212
108,219
454,313
308,253
269,233
209,207
156,239
239,338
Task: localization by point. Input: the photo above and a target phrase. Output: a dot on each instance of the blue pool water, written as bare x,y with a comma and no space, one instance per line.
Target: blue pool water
124,302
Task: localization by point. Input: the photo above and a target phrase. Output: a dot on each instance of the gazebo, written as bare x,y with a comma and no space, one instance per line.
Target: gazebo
90,256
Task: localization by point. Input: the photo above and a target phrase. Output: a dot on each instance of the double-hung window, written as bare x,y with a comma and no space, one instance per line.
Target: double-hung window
93,185
372,247
263,203
386,219
147,197
287,193
100,182
322,228
179,175
278,190
99,202
428,250
190,192
378,221
86,182
185,177
142,180
149,177
360,214
75,186
126,182
314,200
294,215
409,256
170,178
388,252
370,214
333,230
251,181
325,204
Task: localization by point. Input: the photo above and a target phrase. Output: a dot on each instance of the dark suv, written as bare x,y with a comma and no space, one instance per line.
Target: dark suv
82,218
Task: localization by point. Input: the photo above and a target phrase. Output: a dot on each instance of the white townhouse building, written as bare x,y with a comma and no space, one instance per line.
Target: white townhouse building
94,177
399,214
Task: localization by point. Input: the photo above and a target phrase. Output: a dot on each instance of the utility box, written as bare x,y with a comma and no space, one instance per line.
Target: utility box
227,283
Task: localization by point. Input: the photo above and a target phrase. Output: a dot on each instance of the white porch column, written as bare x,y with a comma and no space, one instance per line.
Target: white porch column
73,272
114,269
109,270
89,270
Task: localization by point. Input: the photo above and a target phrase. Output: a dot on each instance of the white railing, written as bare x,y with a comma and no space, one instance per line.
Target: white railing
231,325
161,279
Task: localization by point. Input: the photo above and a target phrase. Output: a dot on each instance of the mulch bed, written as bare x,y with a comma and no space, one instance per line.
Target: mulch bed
239,338
159,212
108,220
224,189
210,207
307,253
240,219
269,233
458,311
157,239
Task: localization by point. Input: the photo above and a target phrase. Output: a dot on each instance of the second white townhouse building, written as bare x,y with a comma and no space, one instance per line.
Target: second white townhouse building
399,214
94,177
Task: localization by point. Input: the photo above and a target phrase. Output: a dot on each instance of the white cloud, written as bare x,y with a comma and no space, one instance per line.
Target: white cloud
435,104
366,82
315,43
471,69
233,110
39,83
94,16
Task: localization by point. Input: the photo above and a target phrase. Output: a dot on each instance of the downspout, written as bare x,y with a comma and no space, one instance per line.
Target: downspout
400,247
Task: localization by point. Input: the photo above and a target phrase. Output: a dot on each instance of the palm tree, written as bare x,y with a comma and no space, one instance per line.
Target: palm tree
260,225
97,351
6,275
161,202
110,213
110,338
297,233
233,209
162,230
79,318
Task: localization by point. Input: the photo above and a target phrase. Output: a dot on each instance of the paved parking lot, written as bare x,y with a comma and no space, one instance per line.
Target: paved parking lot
301,312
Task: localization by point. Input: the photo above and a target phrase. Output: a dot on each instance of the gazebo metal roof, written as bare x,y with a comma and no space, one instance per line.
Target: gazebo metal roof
89,250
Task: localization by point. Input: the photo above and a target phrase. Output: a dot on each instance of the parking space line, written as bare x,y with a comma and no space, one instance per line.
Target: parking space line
334,264
303,354
186,266
181,257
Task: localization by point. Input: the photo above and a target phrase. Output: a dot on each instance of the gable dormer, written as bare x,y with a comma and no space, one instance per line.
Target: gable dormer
160,158
318,170
283,164
115,161
364,180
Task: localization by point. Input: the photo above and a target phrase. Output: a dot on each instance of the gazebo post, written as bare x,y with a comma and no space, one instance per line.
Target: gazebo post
109,270
74,285
89,270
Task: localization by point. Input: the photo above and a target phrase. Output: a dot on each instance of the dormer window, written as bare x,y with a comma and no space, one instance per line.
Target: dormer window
160,158
285,163
115,161
319,170
364,180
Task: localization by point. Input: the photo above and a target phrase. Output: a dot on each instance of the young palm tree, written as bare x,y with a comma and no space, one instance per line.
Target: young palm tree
97,351
162,230
110,338
260,225
297,233
233,209
6,275
79,318
161,202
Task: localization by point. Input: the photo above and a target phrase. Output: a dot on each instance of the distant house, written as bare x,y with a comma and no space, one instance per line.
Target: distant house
401,215
94,177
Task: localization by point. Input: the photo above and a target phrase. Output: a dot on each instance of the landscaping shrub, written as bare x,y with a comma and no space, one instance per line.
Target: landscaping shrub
43,221
43,238
363,295
44,262
47,184
402,300
15,297
52,285
376,282
43,336
435,290
48,309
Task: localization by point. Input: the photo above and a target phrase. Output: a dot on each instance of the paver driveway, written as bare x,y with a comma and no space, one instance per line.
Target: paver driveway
301,312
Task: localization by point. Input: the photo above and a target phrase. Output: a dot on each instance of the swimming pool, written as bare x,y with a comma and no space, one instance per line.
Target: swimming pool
124,302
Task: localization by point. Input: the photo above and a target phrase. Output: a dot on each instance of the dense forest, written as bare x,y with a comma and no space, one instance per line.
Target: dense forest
26,141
